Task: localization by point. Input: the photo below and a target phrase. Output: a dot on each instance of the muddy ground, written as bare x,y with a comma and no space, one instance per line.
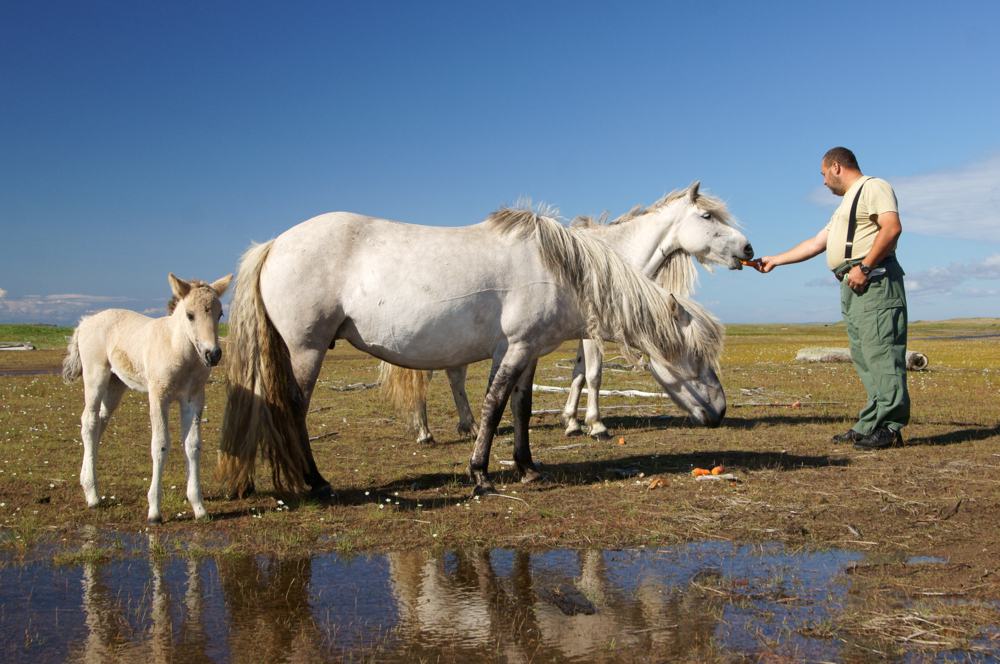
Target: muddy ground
935,497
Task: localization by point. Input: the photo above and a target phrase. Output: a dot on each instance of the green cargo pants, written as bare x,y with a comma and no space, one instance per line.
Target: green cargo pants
876,330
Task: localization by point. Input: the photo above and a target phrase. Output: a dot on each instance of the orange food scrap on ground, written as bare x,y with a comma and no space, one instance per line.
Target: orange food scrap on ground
718,470
655,483
796,404
621,441
700,471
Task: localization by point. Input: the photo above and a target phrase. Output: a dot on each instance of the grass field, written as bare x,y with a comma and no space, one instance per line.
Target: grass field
936,496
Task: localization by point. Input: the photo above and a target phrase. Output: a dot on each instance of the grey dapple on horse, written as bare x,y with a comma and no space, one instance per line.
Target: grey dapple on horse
660,241
170,358
509,289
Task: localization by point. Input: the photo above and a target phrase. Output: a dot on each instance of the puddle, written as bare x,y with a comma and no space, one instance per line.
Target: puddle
497,605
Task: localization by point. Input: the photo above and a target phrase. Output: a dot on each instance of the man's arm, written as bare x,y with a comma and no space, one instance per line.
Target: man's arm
885,242
803,252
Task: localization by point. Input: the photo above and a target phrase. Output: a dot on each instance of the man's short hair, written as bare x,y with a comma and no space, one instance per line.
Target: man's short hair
842,156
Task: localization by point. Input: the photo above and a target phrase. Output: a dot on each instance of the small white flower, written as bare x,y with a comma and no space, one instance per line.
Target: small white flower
381,507
366,493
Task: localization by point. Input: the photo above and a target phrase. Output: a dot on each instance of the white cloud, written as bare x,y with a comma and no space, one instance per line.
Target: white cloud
67,309
962,203
2,293
944,281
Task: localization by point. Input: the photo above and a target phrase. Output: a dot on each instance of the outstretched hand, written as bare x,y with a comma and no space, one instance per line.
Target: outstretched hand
764,264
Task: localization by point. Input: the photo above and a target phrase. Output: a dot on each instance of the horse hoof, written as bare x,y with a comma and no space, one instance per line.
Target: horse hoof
94,506
157,521
532,475
325,492
573,432
601,435
484,489
426,441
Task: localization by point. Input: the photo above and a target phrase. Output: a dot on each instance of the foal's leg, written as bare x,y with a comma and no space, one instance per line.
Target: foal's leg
520,406
95,385
575,390
159,412
191,410
594,362
466,421
507,369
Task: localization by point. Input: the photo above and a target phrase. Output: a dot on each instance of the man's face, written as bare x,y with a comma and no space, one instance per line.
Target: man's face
831,178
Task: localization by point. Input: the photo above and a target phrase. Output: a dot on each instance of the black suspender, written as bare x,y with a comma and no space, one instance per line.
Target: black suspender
852,223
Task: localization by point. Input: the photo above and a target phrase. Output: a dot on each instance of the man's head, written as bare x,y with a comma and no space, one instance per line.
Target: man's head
840,169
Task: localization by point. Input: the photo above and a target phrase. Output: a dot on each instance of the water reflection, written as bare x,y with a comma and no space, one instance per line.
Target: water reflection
508,606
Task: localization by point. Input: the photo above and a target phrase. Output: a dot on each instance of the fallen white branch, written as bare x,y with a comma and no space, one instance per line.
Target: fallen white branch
603,393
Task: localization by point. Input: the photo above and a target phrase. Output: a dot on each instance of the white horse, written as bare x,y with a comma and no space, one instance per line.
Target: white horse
170,358
660,241
510,289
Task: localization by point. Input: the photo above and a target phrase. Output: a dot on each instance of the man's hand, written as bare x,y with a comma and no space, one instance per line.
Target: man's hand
856,279
765,264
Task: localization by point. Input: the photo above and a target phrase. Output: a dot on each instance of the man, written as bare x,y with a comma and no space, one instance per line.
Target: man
872,297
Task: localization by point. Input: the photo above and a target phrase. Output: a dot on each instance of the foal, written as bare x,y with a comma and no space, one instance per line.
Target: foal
170,358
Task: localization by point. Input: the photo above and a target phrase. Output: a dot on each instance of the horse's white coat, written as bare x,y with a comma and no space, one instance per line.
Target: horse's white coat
687,222
170,358
432,297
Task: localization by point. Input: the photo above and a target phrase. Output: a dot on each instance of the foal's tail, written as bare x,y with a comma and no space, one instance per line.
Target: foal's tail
72,366
260,407
405,389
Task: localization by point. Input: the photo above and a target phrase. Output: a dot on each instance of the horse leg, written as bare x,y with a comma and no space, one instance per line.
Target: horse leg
424,435
520,406
99,401
594,361
191,410
159,412
575,390
466,421
507,369
306,365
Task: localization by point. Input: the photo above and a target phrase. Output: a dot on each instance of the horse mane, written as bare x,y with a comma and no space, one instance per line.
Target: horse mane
677,274
174,301
618,302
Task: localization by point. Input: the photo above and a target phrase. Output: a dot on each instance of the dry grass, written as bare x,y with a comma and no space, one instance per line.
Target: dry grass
794,486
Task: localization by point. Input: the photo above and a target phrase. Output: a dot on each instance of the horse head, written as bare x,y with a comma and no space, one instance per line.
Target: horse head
706,231
197,307
690,378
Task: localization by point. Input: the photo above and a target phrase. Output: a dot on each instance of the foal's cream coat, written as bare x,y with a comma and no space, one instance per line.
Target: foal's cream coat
170,358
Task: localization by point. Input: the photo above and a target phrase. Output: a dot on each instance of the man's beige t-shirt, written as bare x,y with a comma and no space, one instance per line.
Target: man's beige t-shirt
877,197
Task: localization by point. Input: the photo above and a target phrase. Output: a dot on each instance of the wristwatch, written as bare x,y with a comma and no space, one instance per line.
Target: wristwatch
865,269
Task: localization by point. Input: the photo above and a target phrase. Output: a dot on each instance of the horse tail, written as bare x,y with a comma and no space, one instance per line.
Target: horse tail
260,406
72,366
404,389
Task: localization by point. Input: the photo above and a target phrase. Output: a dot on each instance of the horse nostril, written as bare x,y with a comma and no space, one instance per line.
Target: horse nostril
748,250
213,356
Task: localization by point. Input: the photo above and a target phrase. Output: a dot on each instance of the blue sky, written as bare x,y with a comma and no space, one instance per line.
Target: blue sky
145,138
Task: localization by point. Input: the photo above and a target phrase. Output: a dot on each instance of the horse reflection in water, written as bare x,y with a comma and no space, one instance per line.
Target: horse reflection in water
462,606
113,634
468,609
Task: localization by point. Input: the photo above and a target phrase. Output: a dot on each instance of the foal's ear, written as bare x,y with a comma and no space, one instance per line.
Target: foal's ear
222,285
180,287
693,191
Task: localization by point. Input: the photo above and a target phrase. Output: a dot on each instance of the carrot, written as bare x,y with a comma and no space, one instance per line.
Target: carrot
718,470
700,471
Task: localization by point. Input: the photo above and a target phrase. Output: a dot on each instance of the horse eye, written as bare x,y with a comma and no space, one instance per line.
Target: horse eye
706,215
190,316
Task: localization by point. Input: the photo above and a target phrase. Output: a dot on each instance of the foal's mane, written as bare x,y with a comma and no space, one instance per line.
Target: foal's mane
195,283
619,303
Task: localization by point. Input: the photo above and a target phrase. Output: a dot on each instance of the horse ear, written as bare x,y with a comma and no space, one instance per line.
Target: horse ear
673,305
693,191
180,287
222,285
